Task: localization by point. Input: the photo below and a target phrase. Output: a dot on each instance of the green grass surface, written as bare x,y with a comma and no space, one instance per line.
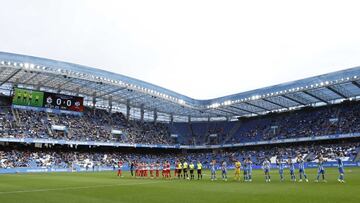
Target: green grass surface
106,187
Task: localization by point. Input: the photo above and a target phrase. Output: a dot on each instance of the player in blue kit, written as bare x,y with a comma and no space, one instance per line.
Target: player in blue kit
301,163
245,170
281,169
266,168
321,169
292,169
213,170
249,169
341,168
224,171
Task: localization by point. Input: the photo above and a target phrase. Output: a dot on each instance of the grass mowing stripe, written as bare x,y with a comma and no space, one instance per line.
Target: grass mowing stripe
76,188
106,187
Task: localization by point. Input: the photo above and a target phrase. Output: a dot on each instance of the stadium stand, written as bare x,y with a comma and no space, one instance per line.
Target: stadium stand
92,126
97,125
308,122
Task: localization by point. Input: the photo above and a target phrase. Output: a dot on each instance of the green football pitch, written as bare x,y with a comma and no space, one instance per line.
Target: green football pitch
107,187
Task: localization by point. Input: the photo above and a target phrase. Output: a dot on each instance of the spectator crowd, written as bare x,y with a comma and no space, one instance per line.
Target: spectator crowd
99,125
93,125
65,158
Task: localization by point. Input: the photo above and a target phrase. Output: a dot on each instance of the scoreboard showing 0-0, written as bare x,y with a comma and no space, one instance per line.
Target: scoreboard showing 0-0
63,102
24,97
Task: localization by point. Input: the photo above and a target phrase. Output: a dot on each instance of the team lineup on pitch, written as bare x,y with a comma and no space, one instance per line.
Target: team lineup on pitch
187,171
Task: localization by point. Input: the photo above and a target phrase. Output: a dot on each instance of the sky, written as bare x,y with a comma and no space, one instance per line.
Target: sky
200,48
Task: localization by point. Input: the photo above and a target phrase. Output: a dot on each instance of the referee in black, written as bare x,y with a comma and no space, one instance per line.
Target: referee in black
132,168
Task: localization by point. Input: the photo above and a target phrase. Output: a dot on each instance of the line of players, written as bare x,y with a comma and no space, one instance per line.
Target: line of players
152,170
186,171
266,166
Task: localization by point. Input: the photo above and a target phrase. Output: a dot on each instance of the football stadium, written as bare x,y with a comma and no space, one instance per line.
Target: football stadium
90,112
79,134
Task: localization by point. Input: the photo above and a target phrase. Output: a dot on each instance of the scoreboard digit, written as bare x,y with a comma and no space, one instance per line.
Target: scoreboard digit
63,102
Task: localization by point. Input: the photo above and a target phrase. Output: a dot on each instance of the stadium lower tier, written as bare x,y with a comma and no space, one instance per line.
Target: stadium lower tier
29,158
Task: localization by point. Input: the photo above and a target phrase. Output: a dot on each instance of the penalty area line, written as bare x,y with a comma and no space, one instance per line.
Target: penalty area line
74,188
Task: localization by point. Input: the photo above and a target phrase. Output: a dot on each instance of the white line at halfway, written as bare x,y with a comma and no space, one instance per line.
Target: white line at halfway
74,188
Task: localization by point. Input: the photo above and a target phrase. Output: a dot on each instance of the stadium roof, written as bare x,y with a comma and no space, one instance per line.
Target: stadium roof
92,83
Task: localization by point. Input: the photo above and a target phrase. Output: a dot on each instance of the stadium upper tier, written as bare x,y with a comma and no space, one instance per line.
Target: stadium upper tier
118,92
340,121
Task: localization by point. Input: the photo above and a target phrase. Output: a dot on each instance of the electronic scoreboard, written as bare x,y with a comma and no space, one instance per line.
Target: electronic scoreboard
33,98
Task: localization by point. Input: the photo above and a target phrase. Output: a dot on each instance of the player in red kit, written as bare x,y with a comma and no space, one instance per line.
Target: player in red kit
136,169
120,164
157,168
147,169
141,170
164,169
144,170
176,170
168,171
152,166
